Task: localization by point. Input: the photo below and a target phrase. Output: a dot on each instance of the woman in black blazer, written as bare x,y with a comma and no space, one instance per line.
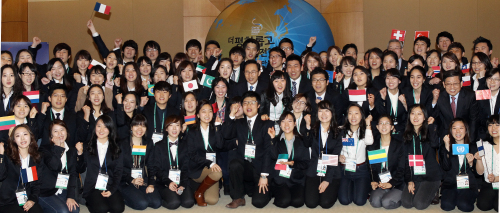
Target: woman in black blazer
387,191
138,177
94,107
420,140
171,166
102,159
60,164
188,108
202,142
362,80
322,186
126,109
287,185
344,77
301,109
24,113
419,92
21,153
276,100
458,165
58,75
10,89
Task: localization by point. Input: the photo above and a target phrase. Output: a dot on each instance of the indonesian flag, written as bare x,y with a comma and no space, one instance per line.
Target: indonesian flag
34,96
102,8
421,33
465,68
29,174
416,160
357,95
466,80
190,85
398,34
437,69
94,63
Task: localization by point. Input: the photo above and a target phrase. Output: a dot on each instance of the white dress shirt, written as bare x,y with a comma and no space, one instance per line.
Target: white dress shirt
6,100
275,111
204,133
24,122
63,157
102,149
324,135
394,101
25,162
254,86
60,116
490,161
350,152
321,96
173,149
252,121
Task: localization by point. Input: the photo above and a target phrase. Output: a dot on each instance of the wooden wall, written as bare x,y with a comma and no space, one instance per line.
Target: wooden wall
14,20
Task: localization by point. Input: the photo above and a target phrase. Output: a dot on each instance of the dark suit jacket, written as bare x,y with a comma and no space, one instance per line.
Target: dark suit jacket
53,166
385,107
101,46
333,146
162,163
338,101
449,163
265,105
146,164
433,170
485,109
482,83
149,111
9,176
395,162
425,97
242,87
3,111
404,66
305,85
69,119
85,128
197,151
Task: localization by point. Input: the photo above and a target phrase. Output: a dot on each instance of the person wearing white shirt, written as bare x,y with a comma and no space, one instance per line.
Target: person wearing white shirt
355,172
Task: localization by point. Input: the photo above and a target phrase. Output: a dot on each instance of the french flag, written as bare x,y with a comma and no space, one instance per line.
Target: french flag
34,96
357,95
102,8
29,174
94,63
436,69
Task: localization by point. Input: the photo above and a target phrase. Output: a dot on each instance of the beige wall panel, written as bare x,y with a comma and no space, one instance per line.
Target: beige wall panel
488,24
199,8
197,28
348,28
346,6
14,31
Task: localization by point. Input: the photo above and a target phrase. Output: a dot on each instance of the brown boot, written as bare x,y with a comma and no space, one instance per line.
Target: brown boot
199,194
236,203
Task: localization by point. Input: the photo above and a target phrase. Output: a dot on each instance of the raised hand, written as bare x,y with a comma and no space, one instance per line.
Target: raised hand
33,112
45,106
118,98
144,101
79,148
430,120
271,132
118,42
446,140
383,93
312,40
36,42
403,101
371,100
435,96
307,118
91,27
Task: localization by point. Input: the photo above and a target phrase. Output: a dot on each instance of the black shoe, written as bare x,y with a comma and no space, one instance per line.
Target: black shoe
226,190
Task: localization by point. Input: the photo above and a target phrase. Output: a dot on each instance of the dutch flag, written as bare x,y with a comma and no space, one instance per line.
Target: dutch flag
436,69
34,96
102,8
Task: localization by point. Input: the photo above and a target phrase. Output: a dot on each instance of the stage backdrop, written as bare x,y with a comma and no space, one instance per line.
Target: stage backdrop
42,56
269,21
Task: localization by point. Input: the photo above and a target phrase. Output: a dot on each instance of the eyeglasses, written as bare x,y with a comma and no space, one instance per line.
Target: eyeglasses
286,48
318,80
494,79
452,84
246,103
29,74
300,103
151,50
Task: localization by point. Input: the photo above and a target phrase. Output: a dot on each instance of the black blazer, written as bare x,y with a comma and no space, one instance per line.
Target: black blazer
9,176
395,163
69,119
197,151
379,81
425,97
123,123
149,112
300,157
85,128
385,107
162,163
467,109
146,164
333,146
242,86
90,163
101,46
53,166
485,109
449,164
71,96
366,105
32,123
3,111
433,170
482,83
339,86
303,126
265,105
238,129
403,67
305,85
338,101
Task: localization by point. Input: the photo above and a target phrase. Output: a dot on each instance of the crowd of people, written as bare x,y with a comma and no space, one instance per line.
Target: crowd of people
297,130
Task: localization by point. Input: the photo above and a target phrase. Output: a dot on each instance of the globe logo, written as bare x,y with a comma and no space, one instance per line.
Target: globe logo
268,22
460,149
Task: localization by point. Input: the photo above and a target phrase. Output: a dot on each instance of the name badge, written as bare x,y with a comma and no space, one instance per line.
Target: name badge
136,173
350,165
211,156
419,170
286,173
495,186
462,181
62,181
385,177
277,128
22,197
249,151
157,137
175,176
321,169
102,182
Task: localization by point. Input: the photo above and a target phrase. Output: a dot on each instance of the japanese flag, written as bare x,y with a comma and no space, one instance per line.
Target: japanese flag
190,85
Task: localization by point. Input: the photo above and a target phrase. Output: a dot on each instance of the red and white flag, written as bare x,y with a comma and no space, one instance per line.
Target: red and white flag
484,94
94,63
190,85
421,33
398,34
437,69
416,160
465,68
357,95
466,81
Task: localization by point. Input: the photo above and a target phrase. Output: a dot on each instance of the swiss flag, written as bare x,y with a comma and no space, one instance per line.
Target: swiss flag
421,33
416,160
398,34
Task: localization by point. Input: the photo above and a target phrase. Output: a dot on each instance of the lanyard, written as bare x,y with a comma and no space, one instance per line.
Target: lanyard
163,120
386,163
357,143
465,163
208,142
415,99
105,164
293,149
20,179
250,135
177,155
319,143
414,145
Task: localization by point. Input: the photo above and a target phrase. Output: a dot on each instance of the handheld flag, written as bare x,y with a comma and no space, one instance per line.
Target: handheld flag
465,68
484,94
331,75
460,149
347,141
189,119
480,148
190,85
398,34
466,80
206,80
102,8
281,158
416,160
34,96
94,63
7,122
215,107
421,33
437,69
357,95
200,68
330,160
138,150
29,174
151,90
377,156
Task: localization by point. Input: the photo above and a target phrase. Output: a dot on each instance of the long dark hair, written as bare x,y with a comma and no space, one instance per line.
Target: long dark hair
66,79
328,65
19,53
183,109
17,88
113,146
282,117
33,69
137,82
82,54
333,128
353,85
450,130
217,74
494,119
198,108
138,120
183,65
410,130
12,150
271,94
362,122
104,107
178,57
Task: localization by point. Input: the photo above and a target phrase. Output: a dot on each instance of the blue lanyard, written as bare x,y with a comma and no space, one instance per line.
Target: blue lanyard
163,120
105,164
319,143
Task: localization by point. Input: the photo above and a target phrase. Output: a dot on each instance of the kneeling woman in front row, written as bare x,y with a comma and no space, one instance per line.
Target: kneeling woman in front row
286,163
20,156
103,161
171,166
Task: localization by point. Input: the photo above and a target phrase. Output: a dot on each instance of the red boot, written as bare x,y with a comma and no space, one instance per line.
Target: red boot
199,194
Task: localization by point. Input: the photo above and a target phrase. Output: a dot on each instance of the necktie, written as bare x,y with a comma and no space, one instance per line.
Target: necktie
250,124
58,116
319,98
251,88
233,76
294,88
453,107
173,143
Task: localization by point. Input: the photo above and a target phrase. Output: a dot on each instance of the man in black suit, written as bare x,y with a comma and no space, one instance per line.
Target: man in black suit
321,92
456,102
237,56
396,46
298,82
276,61
156,112
252,143
252,81
57,109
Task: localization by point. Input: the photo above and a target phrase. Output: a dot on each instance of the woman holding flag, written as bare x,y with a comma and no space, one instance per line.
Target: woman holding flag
24,113
20,163
187,80
276,100
362,80
422,172
10,87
